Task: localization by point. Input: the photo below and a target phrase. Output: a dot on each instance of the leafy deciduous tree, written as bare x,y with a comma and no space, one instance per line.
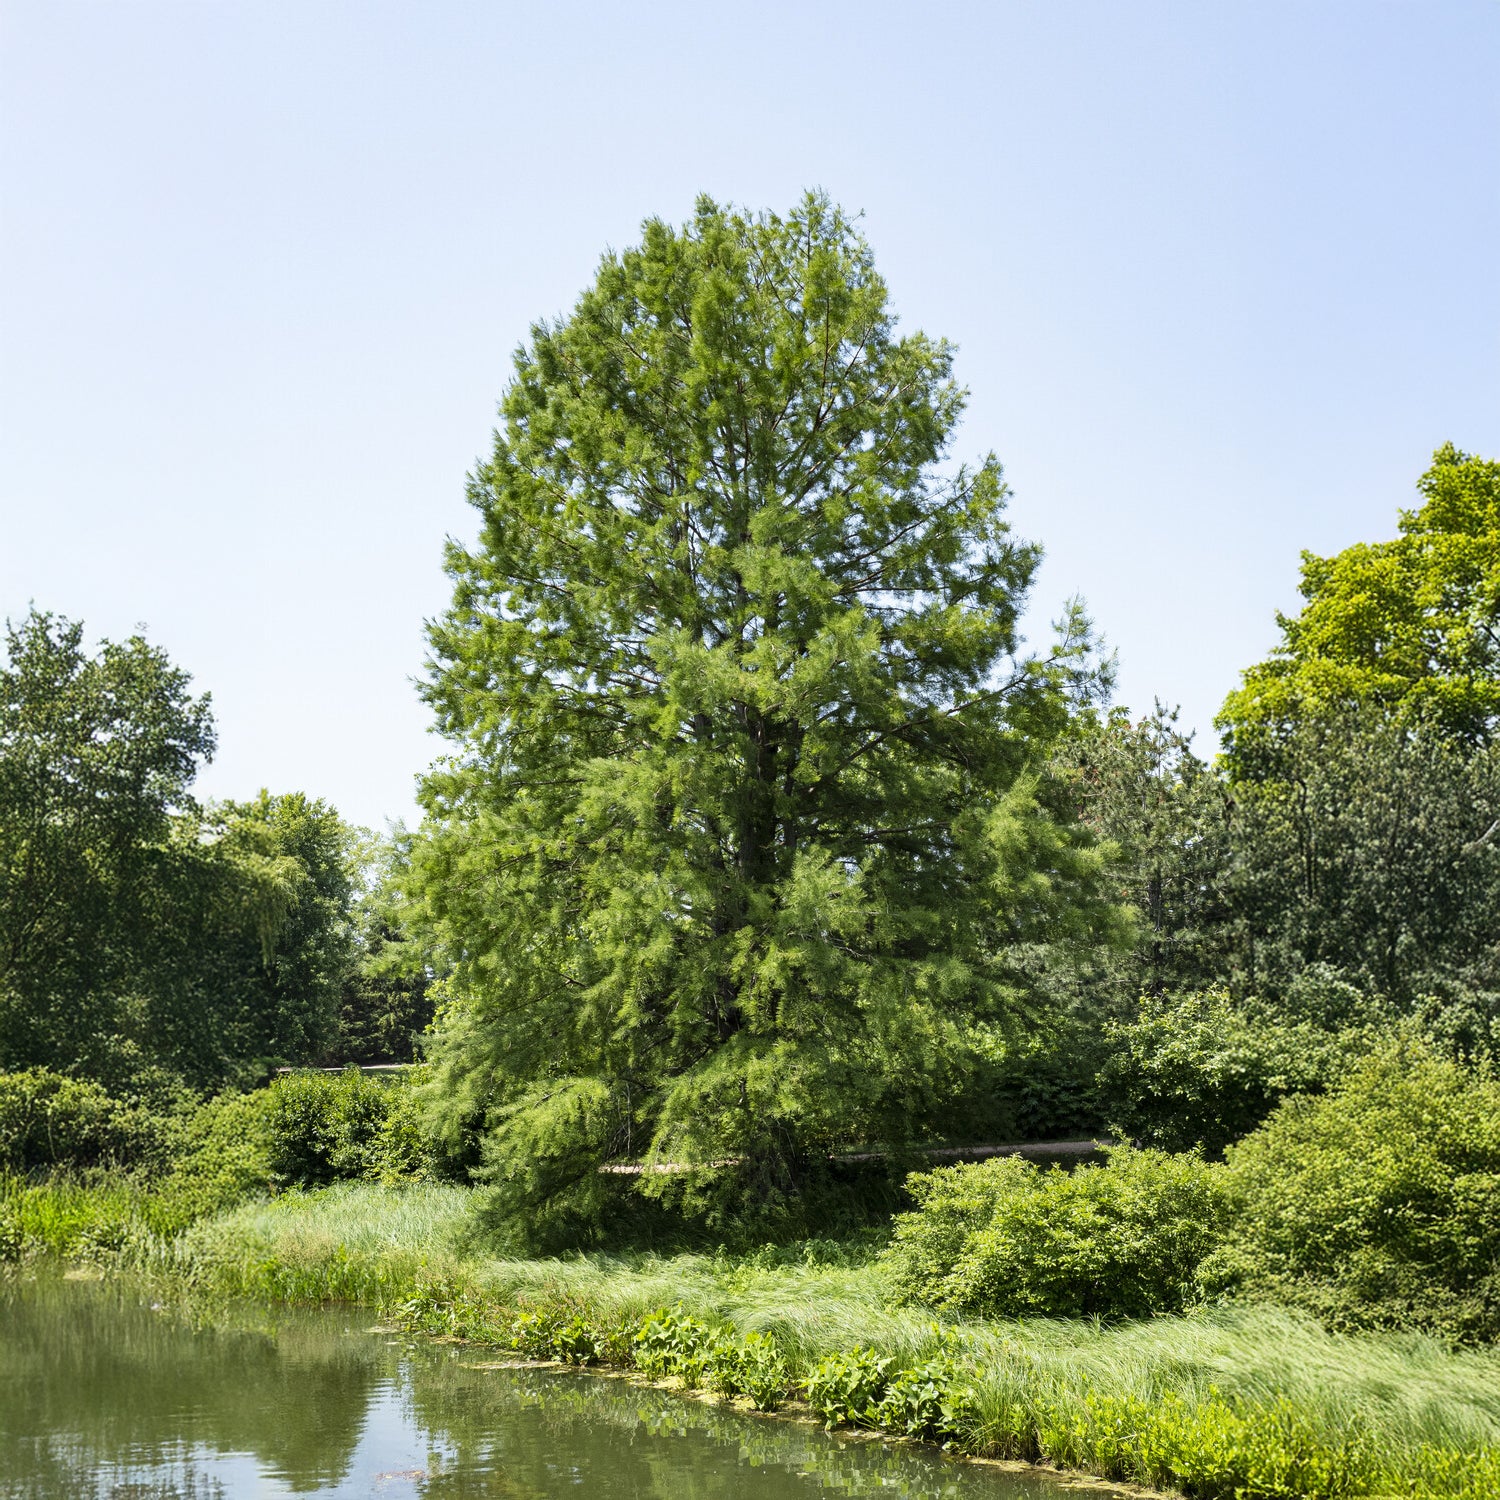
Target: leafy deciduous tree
136,930
1410,625
1143,791
1372,854
388,1001
96,756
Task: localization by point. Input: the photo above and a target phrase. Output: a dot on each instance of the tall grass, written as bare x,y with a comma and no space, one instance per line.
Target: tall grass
1262,1384
80,1216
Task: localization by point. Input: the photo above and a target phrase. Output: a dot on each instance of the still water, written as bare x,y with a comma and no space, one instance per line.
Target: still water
105,1394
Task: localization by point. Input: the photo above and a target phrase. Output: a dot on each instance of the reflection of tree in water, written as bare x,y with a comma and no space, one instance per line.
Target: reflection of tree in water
54,1475
94,1367
541,1433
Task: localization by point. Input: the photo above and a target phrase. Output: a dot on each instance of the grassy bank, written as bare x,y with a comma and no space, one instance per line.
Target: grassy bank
1253,1402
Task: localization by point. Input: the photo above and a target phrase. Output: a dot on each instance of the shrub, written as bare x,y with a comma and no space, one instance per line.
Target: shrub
1377,1205
304,1122
1005,1239
219,1157
320,1127
50,1120
1198,1071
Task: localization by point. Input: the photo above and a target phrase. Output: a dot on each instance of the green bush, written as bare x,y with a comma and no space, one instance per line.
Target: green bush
1378,1204
218,1158
1198,1071
321,1127
1005,1239
50,1120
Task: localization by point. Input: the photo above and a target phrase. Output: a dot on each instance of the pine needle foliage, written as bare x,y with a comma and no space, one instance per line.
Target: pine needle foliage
743,842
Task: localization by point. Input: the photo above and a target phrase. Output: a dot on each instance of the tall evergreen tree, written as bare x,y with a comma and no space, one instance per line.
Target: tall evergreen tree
745,843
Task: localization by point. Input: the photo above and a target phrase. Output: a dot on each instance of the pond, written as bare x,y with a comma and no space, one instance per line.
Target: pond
105,1393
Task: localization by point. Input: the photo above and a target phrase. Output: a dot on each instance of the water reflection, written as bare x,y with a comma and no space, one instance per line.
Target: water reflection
103,1394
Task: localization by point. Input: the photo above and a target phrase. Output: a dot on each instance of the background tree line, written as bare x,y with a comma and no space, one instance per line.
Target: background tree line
143,935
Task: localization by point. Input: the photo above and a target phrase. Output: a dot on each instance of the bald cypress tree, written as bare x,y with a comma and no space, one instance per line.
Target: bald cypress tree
743,851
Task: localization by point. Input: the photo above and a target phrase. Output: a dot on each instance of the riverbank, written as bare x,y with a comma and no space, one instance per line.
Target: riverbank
1248,1401
111,1385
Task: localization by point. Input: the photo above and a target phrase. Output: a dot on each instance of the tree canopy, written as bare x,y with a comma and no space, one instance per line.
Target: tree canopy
1166,817
96,755
746,836
138,930
1410,626
1371,855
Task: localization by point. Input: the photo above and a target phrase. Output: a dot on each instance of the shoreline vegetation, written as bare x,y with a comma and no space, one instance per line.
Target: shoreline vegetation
1222,1402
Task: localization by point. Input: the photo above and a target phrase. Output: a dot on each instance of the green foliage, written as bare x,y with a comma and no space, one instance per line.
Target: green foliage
91,1217
1378,1204
846,1389
49,1120
1039,1085
101,1172
1199,1071
140,935
1267,1450
280,938
1144,793
752,1366
1404,627
930,1402
388,1000
96,756
1366,851
745,845
674,1344
1005,1239
218,1158
105,1175
1363,775
321,1127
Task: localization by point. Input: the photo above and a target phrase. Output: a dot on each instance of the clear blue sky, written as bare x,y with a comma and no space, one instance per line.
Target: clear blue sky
1221,277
